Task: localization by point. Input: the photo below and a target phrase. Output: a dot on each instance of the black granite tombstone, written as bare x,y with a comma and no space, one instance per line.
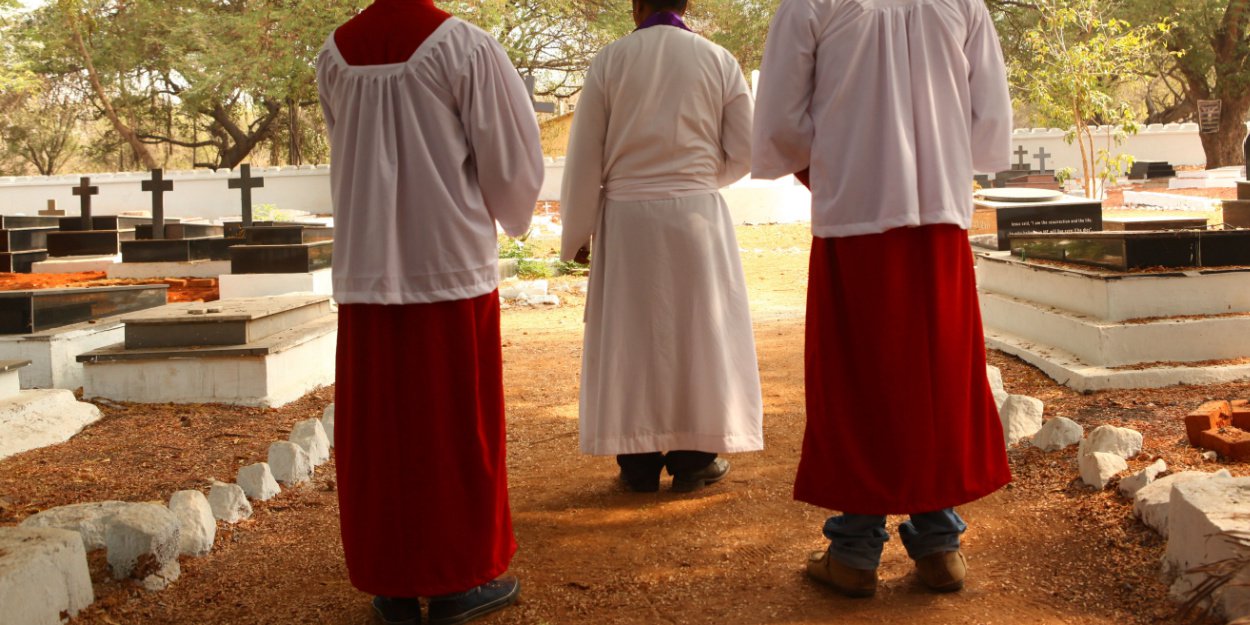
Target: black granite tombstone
1142,170
293,258
1125,251
1059,213
26,312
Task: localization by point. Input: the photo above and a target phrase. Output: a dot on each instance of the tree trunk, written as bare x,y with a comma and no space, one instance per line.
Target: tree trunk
1224,148
127,133
294,151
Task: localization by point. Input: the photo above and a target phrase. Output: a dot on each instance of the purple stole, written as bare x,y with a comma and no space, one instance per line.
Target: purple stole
663,18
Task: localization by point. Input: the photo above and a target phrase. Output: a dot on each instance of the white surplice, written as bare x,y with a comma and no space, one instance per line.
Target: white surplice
669,360
426,156
892,104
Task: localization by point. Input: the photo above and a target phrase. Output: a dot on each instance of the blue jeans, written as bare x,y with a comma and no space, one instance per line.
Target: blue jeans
856,539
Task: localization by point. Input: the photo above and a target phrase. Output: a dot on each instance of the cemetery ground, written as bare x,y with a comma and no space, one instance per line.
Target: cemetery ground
1046,549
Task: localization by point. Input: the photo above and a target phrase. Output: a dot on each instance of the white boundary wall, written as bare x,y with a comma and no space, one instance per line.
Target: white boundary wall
203,193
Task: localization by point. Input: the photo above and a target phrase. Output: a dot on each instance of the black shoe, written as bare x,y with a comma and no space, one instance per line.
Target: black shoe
463,607
710,474
645,485
398,610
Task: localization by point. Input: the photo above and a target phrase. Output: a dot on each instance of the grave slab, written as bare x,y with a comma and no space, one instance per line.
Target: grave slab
1127,250
28,221
75,264
189,269
224,322
287,234
87,242
271,372
176,250
180,231
266,284
24,239
21,262
1147,223
293,258
37,310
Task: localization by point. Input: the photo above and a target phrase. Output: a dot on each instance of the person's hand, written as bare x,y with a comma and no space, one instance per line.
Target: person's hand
805,177
582,256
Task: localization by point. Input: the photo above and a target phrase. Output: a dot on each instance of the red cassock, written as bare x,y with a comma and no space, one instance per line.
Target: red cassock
900,416
419,436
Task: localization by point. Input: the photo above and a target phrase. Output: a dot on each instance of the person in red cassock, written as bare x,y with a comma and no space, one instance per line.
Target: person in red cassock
433,140
885,109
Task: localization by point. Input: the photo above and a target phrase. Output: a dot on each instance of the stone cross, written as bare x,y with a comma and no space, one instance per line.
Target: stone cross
85,191
1041,156
539,107
158,186
246,182
1020,154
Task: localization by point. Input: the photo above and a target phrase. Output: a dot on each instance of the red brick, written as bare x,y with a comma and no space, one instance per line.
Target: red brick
1241,414
1212,414
202,283
1221,444
1240,450
175,282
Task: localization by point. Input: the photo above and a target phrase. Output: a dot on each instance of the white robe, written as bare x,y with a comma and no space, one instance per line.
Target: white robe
427,155
891,103
669,358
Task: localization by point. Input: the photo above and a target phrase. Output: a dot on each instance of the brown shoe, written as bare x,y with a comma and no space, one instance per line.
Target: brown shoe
851,582
943,571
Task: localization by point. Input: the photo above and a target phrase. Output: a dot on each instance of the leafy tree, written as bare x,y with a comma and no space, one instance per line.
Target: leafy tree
1076,55
1211,46
39,128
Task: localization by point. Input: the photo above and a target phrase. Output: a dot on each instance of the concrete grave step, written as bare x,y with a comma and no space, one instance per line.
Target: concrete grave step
1112,296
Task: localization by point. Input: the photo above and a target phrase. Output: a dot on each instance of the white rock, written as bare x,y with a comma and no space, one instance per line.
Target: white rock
40,417
196,526
327,423
161,579
1135,482
1201,510
527,289
289,463
1152,501
1000,398
995,376
1058,433
142,540
229,502
311,437
1021,416
1098,468
43,573
1210,456
1109,439
88,519
257,482
545,300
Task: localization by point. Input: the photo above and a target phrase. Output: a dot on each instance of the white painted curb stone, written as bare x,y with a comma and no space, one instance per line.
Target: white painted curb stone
43,572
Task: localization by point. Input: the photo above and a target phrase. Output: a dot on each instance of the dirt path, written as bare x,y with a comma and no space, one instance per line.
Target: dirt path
1044,550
